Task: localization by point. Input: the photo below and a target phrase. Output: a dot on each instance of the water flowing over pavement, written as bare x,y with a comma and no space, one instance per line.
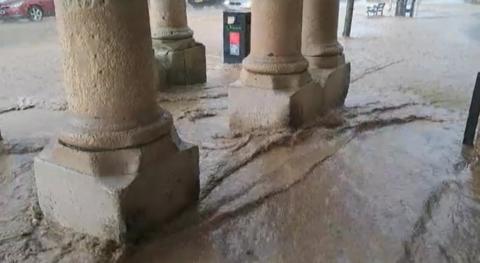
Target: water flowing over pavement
384,180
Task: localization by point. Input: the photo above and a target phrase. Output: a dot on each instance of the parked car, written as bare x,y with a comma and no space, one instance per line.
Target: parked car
35,10
237,4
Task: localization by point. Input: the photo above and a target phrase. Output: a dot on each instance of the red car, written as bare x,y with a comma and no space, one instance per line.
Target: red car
35,10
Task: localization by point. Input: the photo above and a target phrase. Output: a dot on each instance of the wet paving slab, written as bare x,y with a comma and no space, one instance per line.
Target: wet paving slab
395,189
384,180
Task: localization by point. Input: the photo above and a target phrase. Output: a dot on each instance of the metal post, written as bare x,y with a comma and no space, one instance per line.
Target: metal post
349,18
474,112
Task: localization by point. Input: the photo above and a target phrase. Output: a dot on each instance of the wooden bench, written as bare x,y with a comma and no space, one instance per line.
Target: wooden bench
376,10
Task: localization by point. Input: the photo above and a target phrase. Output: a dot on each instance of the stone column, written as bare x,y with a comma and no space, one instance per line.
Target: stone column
118,168
324,53
320,45
275,89
180,59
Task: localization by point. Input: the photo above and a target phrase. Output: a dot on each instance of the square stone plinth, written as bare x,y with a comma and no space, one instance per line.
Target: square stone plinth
255,108
117,194
185,66
335,83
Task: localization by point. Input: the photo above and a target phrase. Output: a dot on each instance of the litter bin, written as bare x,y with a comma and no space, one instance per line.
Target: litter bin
236,36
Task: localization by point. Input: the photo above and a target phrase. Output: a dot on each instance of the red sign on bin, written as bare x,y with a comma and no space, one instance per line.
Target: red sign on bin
235,38
235,43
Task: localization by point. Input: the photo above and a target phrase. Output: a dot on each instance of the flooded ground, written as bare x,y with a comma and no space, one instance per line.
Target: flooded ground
384,180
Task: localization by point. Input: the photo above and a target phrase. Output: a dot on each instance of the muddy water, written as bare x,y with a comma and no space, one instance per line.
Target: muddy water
399,189
391,183
387,182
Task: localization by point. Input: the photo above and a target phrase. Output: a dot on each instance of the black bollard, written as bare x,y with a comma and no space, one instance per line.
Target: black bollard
474,112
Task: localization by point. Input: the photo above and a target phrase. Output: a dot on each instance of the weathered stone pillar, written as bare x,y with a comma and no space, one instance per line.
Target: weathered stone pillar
320,25
181,60
118,168
275,89
324,53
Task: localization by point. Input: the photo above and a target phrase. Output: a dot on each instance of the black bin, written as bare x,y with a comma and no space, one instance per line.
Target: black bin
236,36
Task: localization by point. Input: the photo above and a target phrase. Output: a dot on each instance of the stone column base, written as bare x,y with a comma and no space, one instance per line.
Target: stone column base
181,65
117,194
335,83
326,62
262,107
